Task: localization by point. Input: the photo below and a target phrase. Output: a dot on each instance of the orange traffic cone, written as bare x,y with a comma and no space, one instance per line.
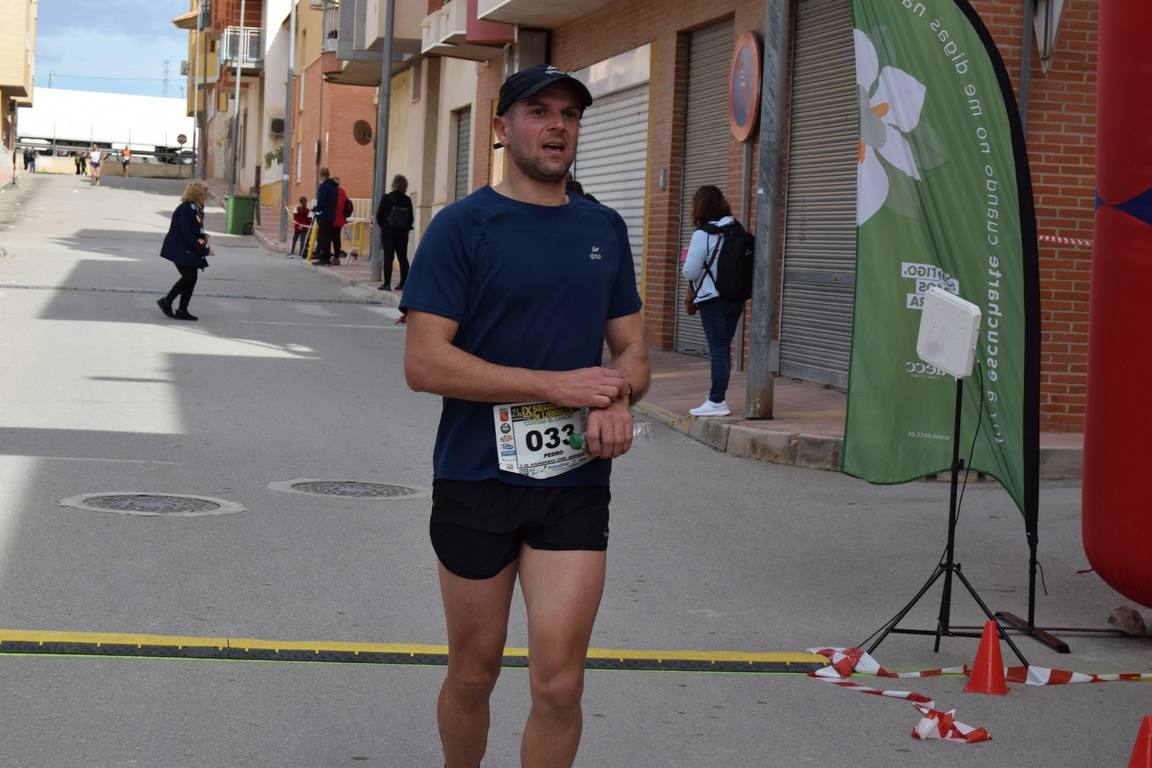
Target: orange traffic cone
1142,752
987,673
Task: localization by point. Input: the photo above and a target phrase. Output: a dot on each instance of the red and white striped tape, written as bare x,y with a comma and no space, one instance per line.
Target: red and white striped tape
1045,676
912,696
848,661
845,662
941,725
1058,240
933,724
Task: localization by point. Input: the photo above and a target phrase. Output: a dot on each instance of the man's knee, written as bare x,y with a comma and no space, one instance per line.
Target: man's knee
560,692
475,679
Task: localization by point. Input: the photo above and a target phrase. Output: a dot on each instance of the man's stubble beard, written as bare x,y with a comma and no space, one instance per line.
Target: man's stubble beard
537,170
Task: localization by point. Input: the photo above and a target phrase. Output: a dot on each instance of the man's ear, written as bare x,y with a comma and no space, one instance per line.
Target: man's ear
500,128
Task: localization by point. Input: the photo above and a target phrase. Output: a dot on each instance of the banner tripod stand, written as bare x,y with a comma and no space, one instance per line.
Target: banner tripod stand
948,567
949,329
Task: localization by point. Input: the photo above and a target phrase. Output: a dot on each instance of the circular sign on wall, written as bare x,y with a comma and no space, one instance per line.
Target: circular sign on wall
744,86
181,139
362,132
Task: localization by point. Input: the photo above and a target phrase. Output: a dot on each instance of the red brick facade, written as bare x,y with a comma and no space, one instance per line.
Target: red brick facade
1062,154
1061,136
330,111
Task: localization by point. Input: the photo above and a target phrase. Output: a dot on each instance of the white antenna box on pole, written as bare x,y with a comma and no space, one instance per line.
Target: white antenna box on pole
949,327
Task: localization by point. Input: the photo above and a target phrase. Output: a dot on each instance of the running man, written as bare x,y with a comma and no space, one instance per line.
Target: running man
94,158
513,293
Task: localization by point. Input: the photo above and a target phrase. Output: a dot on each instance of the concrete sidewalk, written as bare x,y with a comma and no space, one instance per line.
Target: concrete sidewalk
807,428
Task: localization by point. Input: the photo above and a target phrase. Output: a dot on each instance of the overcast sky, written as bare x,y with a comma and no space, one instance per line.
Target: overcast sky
118,46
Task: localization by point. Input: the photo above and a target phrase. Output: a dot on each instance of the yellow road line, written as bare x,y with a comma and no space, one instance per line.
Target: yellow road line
50,638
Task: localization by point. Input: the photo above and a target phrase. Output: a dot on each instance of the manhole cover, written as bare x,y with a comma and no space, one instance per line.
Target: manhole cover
349,489
151,504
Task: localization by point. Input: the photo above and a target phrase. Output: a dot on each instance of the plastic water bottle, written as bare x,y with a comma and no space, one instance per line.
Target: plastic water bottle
641,435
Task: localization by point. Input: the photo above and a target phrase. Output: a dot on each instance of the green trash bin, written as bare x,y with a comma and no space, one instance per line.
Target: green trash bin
239,211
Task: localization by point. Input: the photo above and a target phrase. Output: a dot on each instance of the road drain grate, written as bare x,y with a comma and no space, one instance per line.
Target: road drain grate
365,490
153,504
357,489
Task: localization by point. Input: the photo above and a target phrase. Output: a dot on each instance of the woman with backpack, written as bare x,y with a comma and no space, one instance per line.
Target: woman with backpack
395,218
718,315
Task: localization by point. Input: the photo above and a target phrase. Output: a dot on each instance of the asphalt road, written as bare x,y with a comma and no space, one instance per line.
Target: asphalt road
290,375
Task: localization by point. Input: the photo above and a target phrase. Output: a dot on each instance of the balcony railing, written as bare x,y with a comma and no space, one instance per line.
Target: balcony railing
241,43
331,25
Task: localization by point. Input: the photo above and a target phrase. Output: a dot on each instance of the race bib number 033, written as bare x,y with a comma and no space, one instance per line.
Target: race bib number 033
534,439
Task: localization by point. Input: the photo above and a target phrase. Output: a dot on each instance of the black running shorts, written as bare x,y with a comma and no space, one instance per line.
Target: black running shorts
477,527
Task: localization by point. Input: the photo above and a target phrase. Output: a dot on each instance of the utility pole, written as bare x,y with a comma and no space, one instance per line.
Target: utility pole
288,110
15,135
203,125
235,153
774,93
381,177
195,90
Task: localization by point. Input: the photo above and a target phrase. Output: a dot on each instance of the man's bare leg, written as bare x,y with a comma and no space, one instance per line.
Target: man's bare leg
562,593
476,613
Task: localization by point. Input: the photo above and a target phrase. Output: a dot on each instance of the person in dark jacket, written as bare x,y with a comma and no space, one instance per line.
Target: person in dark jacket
574,187
339,219
324,215
186,245
395,218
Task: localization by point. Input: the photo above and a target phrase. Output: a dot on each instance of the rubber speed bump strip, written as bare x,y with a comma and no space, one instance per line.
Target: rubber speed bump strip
15,641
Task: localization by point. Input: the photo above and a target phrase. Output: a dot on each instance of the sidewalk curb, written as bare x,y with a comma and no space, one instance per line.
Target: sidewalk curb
366,287
790,448
272,245
798,449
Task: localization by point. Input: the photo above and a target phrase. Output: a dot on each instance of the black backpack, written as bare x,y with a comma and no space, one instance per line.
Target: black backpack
399,217
347,208
733,270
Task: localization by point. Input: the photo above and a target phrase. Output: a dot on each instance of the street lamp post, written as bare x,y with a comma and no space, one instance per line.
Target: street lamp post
286,155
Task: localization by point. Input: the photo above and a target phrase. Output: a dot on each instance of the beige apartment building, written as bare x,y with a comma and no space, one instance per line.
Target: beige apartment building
17,73
434,71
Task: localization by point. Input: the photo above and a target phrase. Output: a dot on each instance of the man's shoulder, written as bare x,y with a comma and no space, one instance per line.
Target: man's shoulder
468,210
594,213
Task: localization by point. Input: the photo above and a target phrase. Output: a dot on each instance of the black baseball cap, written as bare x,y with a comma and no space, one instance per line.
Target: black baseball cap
531,81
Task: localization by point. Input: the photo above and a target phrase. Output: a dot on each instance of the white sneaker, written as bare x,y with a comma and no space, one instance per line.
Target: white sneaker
710,408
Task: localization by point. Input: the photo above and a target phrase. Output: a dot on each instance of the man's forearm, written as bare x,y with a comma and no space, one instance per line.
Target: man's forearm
452,372
632,363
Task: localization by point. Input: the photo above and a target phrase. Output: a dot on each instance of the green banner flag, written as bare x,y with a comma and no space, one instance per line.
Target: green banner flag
944,199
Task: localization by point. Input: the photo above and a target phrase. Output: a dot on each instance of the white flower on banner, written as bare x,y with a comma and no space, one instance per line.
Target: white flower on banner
890,102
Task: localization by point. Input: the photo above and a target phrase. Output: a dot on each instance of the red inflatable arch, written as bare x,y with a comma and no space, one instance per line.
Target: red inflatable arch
1117,505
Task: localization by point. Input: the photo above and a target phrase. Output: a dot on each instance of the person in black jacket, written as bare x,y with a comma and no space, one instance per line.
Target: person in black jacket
395,218
186,245
324,217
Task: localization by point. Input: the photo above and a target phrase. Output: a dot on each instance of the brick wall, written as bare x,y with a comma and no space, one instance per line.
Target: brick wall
330,111
1062,155
1061,136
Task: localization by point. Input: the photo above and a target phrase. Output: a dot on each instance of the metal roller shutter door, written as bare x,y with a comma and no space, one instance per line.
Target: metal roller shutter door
820,227
705,151
612,163
463,151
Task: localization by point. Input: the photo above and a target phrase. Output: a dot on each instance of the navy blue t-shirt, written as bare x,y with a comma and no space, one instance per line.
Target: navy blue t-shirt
531,286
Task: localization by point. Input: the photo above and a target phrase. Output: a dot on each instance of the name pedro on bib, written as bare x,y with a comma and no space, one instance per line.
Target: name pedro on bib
535,439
